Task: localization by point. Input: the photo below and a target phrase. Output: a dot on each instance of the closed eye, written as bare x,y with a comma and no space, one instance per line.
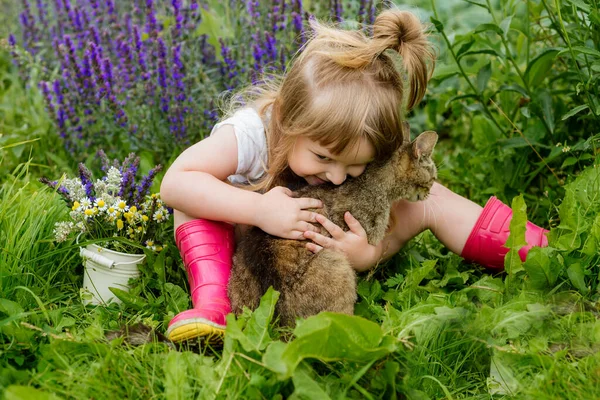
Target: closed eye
322,158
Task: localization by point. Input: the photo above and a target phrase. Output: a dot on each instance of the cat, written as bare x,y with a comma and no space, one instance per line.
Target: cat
309,283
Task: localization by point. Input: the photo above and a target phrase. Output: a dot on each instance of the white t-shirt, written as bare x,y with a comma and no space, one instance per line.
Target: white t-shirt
252,145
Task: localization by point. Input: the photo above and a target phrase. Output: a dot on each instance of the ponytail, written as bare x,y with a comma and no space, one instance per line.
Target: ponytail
393,29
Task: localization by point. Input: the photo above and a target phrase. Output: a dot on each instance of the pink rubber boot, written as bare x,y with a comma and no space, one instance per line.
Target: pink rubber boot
485,244
206,248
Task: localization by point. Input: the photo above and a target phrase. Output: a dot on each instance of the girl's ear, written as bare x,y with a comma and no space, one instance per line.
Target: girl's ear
405,132
424,144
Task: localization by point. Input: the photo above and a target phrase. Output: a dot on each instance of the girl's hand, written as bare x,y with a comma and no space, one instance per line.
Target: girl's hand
353,244
281,215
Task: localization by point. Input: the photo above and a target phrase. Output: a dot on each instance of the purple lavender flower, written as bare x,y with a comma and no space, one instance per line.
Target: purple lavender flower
271,46
129,171
144,187
11,40
178,17
86,180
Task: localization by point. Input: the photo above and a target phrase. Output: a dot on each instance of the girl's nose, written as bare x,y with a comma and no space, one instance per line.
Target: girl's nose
337,176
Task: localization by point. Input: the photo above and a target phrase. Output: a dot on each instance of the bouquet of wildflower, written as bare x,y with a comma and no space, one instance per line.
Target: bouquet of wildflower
113,206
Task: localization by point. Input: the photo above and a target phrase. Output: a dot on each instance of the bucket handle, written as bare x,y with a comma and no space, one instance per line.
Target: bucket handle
100,259
104,261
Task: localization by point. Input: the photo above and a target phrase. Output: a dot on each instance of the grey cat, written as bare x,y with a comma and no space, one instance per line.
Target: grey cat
309,283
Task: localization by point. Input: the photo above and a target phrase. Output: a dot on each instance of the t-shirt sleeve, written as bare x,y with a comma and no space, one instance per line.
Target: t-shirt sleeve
251,141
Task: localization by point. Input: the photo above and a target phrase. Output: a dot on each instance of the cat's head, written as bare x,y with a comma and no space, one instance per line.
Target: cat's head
413,168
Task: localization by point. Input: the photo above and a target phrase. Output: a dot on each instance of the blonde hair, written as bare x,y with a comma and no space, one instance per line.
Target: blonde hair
344,86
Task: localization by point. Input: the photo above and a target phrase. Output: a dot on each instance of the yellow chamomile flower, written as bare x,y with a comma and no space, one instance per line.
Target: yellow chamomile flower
89,213
119,224
145,218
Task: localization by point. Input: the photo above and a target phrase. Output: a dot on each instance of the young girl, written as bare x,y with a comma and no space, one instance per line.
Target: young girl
336,110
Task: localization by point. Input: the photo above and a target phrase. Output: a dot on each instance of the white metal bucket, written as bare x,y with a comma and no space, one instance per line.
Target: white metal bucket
104,268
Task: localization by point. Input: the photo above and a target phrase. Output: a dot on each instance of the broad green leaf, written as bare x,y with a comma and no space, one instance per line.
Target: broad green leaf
306,388
592,244
502,379
255,335
516,238
178,299
574,111
10,307
483,76
542,272
177,379
415,276
18,392
577,276
129,299
538,67
514,323
568,162
329,337
438,25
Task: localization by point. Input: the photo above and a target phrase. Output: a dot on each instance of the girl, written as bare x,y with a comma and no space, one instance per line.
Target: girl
336,110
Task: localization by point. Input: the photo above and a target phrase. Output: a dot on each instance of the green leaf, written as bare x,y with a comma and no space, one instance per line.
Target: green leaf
329,337
128,299
10,307
505,25
178,298
568,162
257,328
465,47
482,51
542,272
516,238
255,335
483,76
592,243
538,68
438,25
542,106
576,275
18,392
488,27
306,388
580,50
574,111
514,88
476,3
580,4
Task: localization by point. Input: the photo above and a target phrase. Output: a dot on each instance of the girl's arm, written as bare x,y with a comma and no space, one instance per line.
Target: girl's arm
195,185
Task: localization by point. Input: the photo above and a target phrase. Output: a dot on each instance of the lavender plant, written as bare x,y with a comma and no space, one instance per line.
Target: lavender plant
146,74
115,205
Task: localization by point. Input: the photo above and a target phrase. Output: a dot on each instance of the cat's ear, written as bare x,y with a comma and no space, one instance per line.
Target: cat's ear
405,132
424,144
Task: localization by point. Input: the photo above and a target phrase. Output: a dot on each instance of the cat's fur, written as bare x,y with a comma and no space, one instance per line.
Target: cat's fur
310,283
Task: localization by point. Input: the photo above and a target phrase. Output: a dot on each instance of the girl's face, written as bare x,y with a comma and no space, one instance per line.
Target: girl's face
317,165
